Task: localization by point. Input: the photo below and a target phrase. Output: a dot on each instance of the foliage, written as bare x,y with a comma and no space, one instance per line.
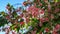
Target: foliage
41,15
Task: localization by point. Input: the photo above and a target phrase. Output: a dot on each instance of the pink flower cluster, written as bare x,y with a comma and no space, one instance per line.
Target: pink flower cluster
35,11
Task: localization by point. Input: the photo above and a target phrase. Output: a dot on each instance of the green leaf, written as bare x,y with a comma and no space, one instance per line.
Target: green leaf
57,0
3,21
8,4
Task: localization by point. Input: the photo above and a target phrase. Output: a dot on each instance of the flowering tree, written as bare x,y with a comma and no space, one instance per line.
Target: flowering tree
39,17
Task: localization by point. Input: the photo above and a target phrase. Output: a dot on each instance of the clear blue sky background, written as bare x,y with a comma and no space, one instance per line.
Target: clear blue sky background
3,3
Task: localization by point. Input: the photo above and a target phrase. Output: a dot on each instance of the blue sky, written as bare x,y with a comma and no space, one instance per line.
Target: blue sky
3,3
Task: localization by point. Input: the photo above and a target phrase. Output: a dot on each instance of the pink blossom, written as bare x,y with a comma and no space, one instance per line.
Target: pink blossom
42,19
41,11
47,29
33,10
57,26
54,32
